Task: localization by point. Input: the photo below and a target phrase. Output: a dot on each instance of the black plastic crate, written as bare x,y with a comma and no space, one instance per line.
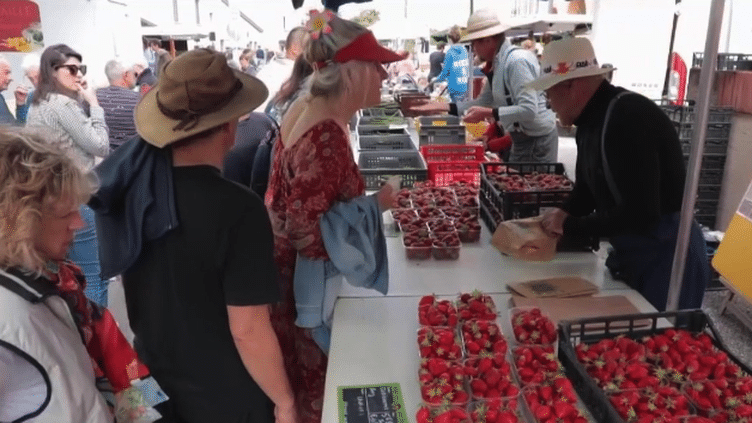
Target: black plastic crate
385,142
711,176
442,129
380,130
706,207
377,166
714,130
382,120
709,161
517,205
726,61
708,192
712,145
384,110
594,329
706,220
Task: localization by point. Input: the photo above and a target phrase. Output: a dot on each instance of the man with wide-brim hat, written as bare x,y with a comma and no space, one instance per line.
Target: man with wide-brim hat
196,250
505,99
629,175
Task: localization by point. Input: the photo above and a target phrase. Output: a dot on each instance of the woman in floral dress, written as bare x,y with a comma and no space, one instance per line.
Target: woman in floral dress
313,168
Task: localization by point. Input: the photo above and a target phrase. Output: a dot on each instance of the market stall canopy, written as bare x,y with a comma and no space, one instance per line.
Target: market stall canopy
176,31
549,23
398,28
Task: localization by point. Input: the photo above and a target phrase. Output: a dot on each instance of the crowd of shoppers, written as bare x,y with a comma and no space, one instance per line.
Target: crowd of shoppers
233,230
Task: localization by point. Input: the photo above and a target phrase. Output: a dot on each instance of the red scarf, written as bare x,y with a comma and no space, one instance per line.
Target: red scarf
111,354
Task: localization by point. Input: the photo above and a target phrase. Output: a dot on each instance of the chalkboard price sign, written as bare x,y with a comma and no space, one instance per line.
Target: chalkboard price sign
379,403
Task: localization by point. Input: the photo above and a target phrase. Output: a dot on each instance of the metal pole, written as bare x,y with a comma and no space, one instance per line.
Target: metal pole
707,74
670,51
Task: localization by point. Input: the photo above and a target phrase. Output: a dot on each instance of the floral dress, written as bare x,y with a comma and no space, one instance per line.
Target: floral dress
307,179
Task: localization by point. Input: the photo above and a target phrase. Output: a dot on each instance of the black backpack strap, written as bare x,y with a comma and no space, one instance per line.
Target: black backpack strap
507,93
606,168
19,286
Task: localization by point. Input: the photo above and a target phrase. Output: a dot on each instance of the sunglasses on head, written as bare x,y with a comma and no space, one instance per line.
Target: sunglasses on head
73,69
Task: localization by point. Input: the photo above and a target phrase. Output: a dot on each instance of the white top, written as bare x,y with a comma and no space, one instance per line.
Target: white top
85,137
22,387
273,75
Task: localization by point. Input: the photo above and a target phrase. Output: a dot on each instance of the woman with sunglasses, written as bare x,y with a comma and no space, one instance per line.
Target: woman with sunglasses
60,105
71,116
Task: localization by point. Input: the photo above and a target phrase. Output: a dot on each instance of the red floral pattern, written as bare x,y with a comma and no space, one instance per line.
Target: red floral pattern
307,179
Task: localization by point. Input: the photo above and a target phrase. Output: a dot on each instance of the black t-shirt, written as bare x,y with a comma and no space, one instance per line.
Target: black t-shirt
178,291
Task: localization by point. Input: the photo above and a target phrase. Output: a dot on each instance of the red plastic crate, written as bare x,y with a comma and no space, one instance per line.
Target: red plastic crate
452,153
444,173
453,163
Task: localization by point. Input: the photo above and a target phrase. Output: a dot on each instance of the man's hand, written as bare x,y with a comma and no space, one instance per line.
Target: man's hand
477,114
21,92
553,222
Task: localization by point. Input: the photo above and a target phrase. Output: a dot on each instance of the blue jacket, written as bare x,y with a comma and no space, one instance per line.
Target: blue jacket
456,72
135,203
354,239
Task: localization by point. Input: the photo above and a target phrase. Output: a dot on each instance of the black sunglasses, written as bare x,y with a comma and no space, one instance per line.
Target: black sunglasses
73,69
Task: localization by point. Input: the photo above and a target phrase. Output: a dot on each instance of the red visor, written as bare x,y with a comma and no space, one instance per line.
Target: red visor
365,48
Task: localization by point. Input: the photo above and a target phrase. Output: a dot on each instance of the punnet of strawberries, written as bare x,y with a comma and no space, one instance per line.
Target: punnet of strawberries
536,364
476,305
490,376
724,400
439,342
442,381
442,414
402,199
553,402
531,326
435,312
650,404
496,410
482,336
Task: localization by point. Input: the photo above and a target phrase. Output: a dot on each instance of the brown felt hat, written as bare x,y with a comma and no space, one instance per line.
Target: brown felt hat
196,91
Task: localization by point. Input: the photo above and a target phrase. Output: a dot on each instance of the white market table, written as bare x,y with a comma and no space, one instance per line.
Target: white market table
374,342
481,266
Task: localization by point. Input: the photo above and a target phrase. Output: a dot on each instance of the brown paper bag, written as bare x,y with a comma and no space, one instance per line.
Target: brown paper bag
524,239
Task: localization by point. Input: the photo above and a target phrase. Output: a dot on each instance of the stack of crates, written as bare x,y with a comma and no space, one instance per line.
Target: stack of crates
713,157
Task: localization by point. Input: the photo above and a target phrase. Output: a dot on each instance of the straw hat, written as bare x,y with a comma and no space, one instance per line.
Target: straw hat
196,91
567,59
483,23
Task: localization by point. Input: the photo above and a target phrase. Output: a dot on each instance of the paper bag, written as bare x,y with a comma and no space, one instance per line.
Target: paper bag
524,239
561,287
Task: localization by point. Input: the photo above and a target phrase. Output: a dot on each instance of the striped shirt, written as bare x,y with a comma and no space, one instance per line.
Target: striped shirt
118,104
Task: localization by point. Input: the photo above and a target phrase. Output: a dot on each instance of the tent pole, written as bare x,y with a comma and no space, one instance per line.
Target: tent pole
670,52
707,74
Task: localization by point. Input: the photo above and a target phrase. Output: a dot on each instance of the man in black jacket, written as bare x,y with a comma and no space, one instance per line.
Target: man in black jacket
629,175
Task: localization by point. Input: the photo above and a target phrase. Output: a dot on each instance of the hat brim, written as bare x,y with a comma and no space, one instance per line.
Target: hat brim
366,48
157,129
496,29
548,81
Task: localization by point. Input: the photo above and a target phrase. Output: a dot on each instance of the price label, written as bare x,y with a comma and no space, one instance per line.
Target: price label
378,403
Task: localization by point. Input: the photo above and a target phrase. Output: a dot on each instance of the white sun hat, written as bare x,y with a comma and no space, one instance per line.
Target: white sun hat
483,23
564,59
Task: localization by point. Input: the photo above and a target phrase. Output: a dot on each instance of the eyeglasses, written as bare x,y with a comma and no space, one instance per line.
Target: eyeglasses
73,69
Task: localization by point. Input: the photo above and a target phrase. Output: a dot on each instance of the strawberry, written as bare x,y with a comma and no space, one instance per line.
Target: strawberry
476,306
481,336
442,381
439,342
435,312
531,326
536,364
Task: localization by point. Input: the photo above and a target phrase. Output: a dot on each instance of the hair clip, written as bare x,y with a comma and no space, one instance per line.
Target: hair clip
319,23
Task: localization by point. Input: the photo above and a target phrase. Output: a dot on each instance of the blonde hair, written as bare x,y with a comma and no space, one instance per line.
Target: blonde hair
328,81
34,175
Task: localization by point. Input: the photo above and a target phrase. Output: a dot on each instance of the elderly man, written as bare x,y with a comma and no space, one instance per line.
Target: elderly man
6,117
519,110
25,94
630,175
198,270
118,101
279,69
